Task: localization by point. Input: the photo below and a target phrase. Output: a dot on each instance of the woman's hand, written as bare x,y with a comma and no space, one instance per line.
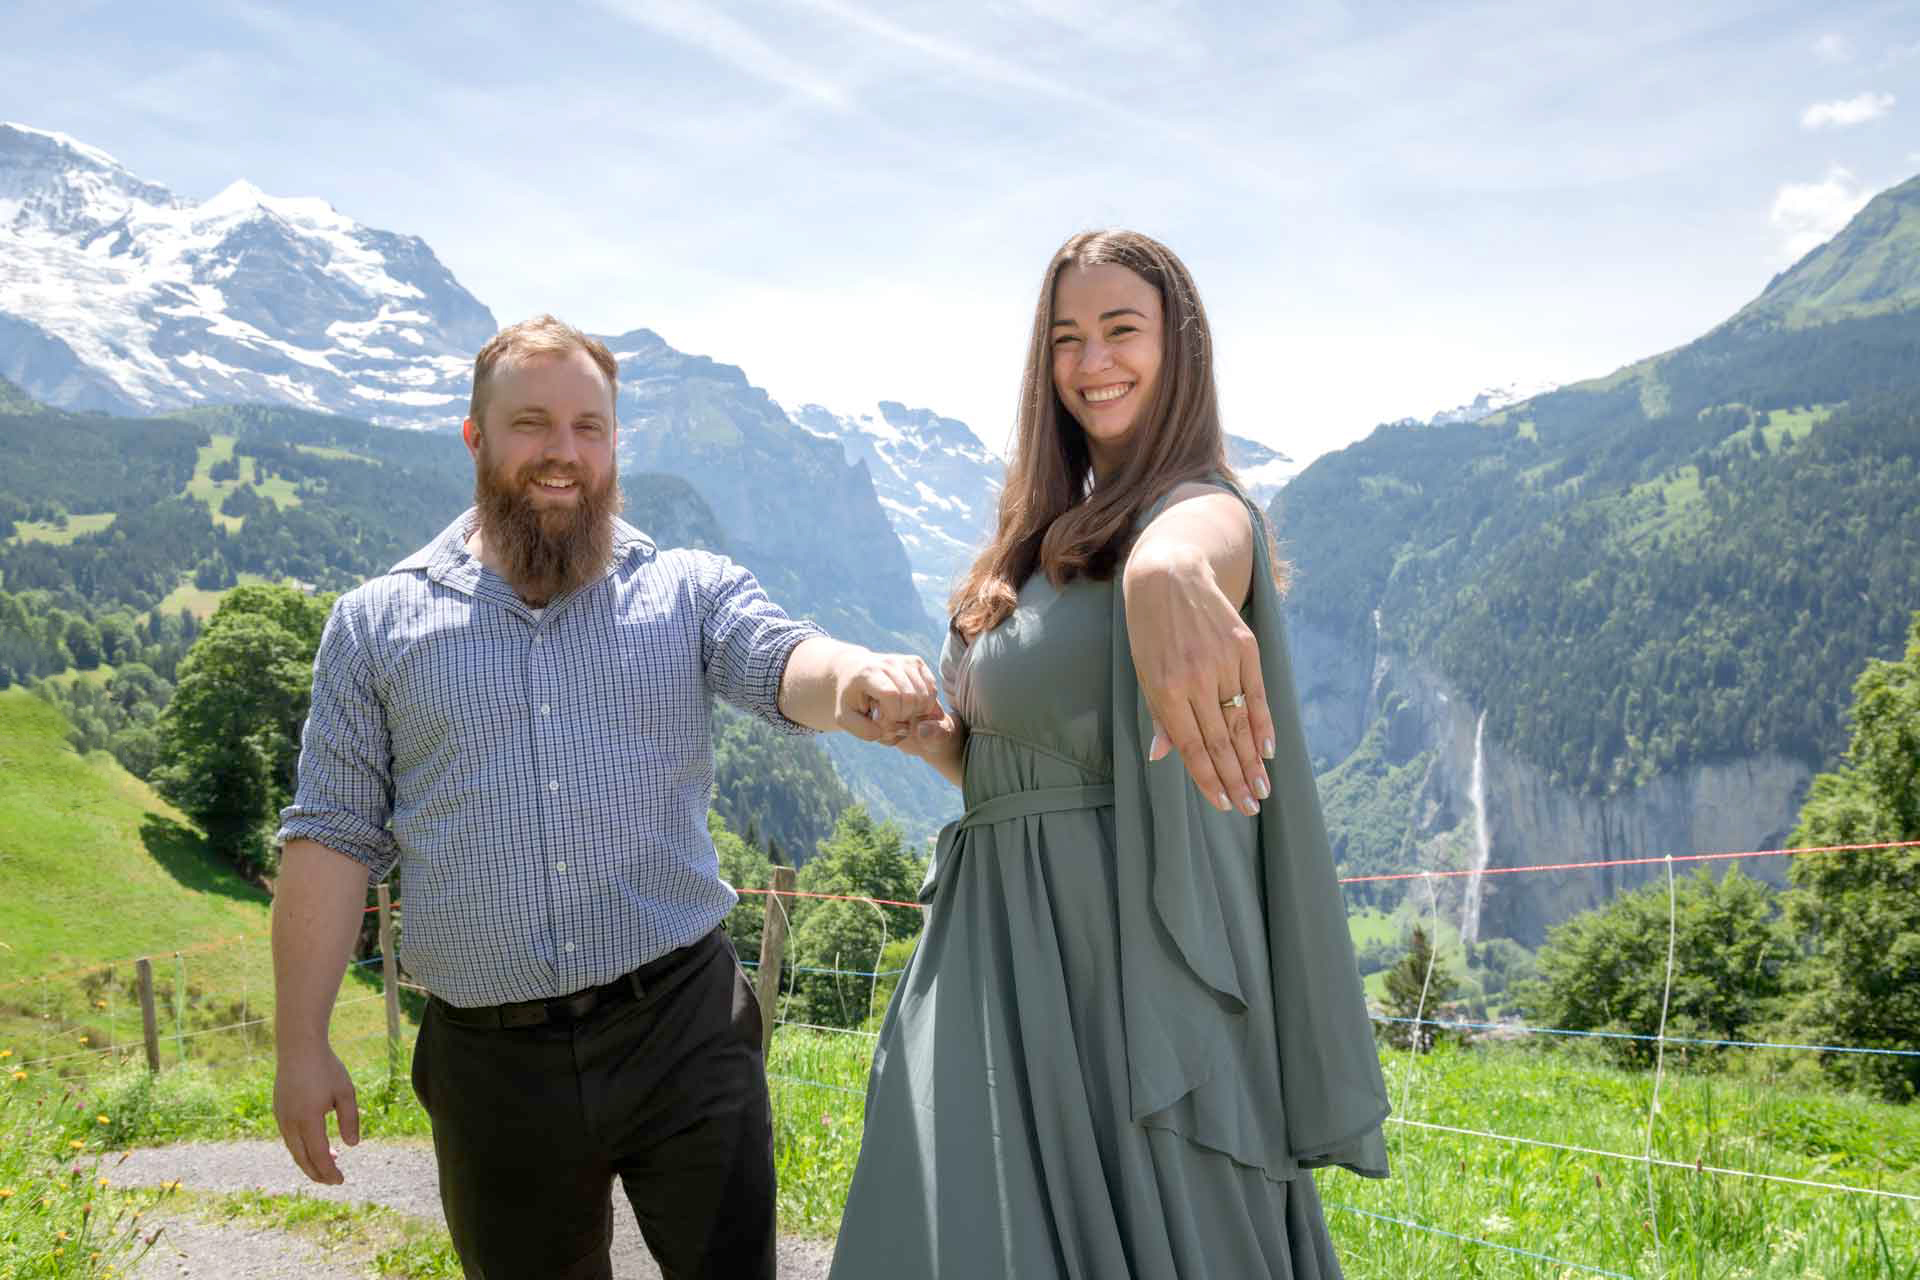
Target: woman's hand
1192,653
941,741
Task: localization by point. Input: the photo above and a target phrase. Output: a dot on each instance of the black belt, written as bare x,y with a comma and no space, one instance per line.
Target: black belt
572,1008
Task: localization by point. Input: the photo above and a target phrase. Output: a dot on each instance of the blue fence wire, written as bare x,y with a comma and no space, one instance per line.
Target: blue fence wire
1485,1244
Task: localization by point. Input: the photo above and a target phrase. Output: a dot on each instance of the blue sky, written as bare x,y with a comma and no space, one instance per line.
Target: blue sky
1387,206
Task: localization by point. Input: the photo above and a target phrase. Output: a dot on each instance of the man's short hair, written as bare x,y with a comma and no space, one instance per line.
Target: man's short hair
541,336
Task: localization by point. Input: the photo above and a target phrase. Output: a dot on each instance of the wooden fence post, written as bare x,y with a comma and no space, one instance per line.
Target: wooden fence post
389,967
773,950
149,1021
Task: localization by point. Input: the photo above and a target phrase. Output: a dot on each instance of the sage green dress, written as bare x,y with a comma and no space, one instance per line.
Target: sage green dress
1088,1069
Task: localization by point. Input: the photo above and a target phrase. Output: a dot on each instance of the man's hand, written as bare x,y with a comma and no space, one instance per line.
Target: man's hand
306,1085
881,696
877,697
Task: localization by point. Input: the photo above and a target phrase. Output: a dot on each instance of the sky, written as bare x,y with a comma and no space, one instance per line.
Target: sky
1387,206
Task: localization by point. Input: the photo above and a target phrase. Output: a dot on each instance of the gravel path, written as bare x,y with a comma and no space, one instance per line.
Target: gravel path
399,1175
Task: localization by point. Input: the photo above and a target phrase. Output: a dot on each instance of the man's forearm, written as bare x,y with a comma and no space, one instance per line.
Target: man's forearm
317,904
809,688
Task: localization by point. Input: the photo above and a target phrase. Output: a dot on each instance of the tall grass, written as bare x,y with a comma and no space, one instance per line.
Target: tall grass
1580,1213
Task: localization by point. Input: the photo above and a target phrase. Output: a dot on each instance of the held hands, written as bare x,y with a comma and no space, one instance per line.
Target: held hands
305,1087
879,697
1193,655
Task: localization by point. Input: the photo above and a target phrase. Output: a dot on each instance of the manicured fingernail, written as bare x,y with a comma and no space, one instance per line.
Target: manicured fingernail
1260,785
1266,748
1223,802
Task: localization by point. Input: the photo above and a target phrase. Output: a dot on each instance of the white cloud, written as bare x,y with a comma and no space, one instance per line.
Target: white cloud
1833,47
1808,214
1842,112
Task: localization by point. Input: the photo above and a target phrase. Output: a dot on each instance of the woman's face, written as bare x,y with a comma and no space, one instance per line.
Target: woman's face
1106,355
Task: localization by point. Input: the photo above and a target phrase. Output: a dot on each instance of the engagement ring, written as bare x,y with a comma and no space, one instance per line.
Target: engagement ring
1237,700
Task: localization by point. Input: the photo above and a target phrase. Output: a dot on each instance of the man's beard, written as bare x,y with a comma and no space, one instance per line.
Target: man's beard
545,552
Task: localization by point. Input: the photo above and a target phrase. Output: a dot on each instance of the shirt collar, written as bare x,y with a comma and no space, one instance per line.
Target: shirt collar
446,559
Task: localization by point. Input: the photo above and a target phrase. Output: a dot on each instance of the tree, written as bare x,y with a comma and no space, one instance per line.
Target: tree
1859,913
836,945
1606,969
1416,988
229,739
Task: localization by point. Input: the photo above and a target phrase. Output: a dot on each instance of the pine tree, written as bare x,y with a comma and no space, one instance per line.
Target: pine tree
1414,994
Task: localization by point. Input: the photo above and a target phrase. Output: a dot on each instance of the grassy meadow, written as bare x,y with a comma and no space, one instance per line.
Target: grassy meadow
112,873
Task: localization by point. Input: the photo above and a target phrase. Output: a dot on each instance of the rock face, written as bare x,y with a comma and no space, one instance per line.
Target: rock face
939,485
1725,806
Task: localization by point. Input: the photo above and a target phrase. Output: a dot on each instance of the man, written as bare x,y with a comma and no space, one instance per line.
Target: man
517,715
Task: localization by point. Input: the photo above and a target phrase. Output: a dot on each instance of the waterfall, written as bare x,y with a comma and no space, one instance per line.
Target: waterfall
1482,840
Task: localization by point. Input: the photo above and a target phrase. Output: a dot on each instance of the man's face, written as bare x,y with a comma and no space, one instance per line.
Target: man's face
545,480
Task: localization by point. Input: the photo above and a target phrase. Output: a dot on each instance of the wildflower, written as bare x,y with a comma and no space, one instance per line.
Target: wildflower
103,1120
59,1249
86,1039
60,1235
99,1004
19,1075
6,1193
77,1145
170,1186
5,1054
101,1182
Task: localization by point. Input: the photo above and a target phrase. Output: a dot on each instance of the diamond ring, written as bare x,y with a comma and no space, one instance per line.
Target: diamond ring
1237,700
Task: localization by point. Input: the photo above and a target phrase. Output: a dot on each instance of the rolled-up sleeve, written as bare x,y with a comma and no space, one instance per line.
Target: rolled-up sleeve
746,639
345,791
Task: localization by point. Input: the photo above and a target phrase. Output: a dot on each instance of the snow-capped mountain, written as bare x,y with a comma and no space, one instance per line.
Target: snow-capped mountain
117,295
939,485
1263,471
1490,401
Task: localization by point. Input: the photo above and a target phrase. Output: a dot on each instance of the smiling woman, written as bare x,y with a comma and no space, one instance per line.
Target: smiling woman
1133,1023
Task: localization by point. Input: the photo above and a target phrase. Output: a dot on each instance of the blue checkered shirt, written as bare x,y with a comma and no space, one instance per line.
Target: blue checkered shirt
542,781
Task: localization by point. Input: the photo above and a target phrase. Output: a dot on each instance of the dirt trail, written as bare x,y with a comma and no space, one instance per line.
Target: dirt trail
399,1175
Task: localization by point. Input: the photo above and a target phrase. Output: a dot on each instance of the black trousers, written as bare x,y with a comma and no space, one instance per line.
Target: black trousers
666,1090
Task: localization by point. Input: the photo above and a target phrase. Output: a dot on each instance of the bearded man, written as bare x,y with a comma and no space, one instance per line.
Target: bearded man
518,716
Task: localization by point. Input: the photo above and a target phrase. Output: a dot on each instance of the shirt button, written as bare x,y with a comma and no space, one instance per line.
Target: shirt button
543,708
559,866
553,786
569,948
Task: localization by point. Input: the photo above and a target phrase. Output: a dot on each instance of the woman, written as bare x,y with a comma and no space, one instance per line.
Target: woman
1134,1019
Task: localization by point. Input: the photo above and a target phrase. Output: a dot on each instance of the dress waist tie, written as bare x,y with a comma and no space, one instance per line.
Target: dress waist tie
1014,804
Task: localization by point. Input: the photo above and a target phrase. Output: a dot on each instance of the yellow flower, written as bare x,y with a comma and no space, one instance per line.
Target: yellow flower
103,1120
59,1249
60,1235
102,1182
86,1040
5,1054
19,1075
6,1193
77,1145
99,1004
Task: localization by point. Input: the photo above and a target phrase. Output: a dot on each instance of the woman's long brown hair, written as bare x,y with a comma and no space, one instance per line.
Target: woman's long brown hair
1052,516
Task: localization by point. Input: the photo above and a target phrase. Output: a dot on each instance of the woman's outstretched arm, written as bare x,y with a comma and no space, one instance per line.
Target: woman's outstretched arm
1186,579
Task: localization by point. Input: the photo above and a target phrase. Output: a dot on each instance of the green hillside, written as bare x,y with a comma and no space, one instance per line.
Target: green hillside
99,872
1682,563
